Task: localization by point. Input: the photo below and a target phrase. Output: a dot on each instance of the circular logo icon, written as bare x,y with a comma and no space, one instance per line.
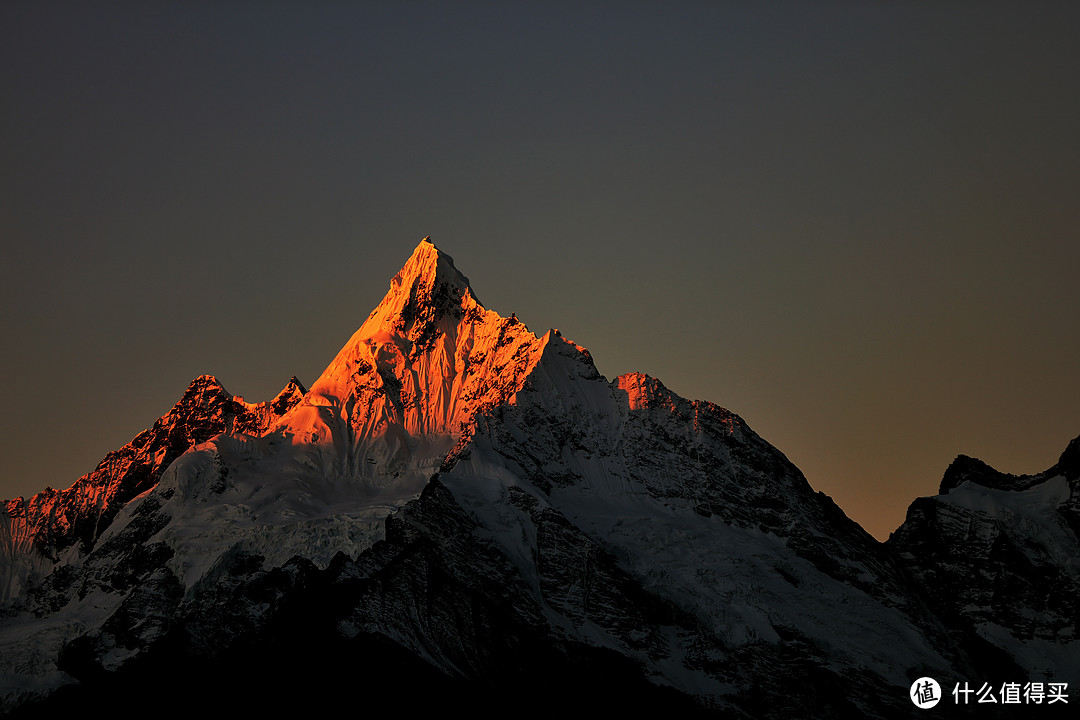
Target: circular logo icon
925,692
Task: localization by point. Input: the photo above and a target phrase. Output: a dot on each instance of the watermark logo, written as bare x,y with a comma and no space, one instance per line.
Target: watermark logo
925,692
1013,693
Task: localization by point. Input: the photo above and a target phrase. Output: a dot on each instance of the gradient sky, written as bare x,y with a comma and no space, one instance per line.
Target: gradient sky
856,224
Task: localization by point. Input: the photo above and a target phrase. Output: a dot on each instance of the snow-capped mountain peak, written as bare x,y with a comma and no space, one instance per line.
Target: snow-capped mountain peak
425,360
480,504
426,291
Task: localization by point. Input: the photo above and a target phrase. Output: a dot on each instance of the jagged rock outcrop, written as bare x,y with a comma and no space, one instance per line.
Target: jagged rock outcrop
462,505
999,559
309,474
61,525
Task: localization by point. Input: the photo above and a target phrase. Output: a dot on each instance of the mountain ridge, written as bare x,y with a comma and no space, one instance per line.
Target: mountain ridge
454,491
49,524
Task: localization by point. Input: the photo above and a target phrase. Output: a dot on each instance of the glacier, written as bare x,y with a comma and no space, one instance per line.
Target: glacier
459,502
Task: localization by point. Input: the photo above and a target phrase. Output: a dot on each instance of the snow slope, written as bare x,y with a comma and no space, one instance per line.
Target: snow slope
59,526
309,475
458,491
999,557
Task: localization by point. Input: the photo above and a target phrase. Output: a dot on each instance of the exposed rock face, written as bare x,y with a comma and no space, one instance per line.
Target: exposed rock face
424,362
460,505
998,558
62,525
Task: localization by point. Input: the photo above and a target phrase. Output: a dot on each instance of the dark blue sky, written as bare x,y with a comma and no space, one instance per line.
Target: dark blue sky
854,223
